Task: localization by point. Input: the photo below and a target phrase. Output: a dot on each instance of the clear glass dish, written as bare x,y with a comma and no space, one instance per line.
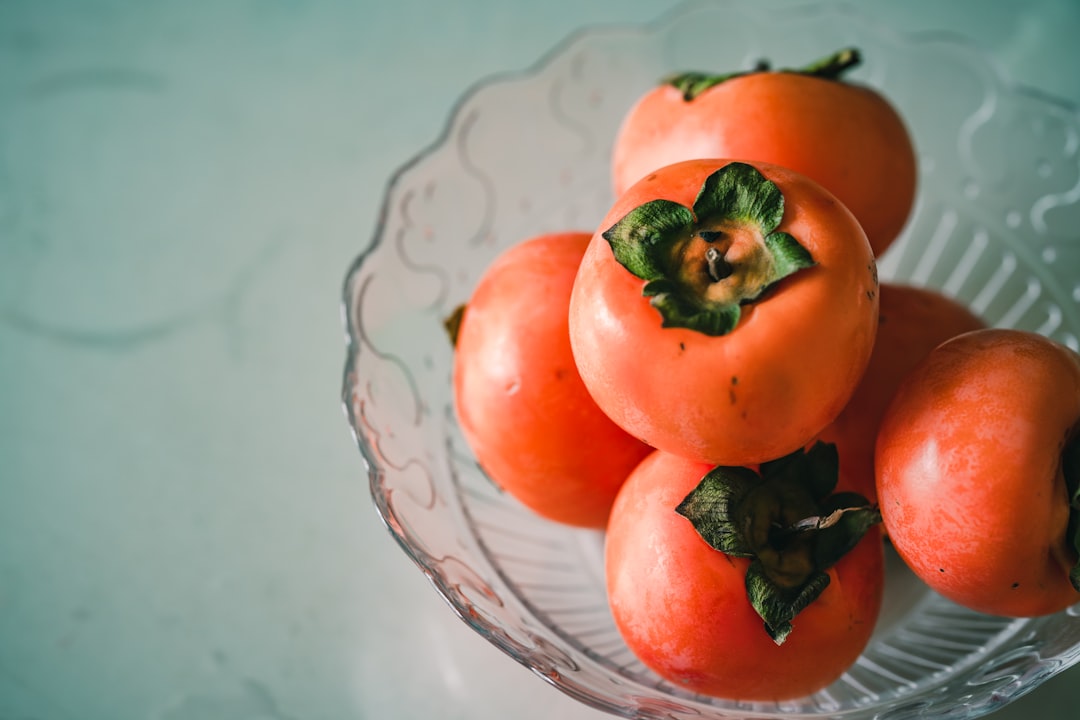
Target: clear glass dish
994,225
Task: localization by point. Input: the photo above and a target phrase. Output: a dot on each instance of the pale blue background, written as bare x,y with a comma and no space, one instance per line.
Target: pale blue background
185,530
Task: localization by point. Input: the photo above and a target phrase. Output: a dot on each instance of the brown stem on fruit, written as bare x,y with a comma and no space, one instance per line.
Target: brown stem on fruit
833,66
780,535
719,267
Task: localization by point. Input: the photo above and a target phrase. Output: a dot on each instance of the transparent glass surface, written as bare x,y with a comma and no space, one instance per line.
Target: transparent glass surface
995,225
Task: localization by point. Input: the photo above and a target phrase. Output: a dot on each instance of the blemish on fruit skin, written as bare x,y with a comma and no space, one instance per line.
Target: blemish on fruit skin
1015,585
682,347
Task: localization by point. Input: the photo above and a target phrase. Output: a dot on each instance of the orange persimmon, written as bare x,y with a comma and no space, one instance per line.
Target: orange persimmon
725,311
689,610
978,472
523,408
912,322
844,135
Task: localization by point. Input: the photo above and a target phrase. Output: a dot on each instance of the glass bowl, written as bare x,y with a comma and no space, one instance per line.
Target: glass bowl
523,153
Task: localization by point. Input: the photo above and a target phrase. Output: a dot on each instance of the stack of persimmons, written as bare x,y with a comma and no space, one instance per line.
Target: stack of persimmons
717,379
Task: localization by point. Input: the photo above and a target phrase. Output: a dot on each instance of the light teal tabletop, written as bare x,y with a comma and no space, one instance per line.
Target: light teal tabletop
185,526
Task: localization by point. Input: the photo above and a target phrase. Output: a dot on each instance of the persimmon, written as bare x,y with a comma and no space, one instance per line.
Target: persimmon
522,406
912,321
725,311
846,136
714,587
978,472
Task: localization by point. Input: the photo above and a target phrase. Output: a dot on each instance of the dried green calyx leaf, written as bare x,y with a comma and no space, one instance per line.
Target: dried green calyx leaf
710,507
786,518
830,67
702,264
692,84
779,609
452,323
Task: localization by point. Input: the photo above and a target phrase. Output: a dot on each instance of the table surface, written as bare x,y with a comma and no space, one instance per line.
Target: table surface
185,529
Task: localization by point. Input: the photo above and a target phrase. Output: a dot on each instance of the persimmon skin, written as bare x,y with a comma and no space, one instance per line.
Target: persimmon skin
845,136
912,321
969,471
681,606
522,406
765,389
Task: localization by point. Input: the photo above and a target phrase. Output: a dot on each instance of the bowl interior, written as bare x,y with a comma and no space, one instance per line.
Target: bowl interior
994,226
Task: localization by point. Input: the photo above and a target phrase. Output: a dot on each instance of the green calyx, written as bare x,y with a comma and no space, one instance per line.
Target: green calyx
830,67
1070,465
702,264
452,323
788,520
